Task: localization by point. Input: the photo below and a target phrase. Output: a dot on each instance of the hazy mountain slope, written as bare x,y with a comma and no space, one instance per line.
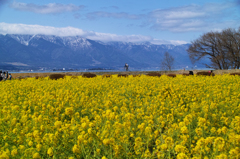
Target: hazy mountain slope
77,52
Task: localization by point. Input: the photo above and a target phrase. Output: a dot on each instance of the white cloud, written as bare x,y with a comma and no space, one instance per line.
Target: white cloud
51,8
210,16
6,28
111,7
184,14
115,37
174,42
102,14
201,18
178,12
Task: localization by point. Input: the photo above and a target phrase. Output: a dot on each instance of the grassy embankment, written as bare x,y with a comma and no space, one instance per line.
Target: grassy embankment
18,75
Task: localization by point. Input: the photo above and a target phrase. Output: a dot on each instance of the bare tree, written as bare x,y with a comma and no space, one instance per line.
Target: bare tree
208,45
167,61
230,40
222,48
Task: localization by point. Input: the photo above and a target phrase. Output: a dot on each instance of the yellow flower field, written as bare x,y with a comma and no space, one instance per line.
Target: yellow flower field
133,117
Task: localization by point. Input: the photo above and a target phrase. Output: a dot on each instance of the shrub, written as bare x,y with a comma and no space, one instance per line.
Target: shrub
122,75
171,75
89,75
185,74
206,73
106,75
56,76
136,75
235,74
39,77
154,74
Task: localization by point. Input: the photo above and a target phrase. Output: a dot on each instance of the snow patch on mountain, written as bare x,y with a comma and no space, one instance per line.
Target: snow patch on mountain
23,39
74,42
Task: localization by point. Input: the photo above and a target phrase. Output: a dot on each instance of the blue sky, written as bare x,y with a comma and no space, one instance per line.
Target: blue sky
156,21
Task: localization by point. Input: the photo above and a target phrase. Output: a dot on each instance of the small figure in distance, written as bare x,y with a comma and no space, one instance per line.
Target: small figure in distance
1,74
10,76
126,66
190,72
7,74
4,75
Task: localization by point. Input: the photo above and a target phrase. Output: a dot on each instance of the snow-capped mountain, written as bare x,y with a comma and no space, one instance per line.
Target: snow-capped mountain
74,42
78,52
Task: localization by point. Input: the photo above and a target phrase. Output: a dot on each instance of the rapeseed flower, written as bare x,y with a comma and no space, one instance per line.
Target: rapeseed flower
121,117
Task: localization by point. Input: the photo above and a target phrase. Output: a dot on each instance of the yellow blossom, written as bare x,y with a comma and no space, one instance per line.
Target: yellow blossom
50,151
36,156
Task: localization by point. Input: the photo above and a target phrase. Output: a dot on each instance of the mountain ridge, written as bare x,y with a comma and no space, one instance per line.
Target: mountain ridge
77,52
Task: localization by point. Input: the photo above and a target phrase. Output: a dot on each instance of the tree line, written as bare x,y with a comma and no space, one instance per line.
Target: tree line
222,48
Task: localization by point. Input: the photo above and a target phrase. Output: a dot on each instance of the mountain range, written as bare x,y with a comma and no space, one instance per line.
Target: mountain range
36,51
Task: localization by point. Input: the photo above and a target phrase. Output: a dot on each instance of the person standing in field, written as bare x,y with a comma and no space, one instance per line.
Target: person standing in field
1,74
10,76
4,76
126,66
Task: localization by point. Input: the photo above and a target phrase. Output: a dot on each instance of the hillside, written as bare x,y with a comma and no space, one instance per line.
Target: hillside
37,51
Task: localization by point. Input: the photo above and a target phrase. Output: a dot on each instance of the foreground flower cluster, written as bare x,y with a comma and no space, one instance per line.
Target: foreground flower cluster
133,117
